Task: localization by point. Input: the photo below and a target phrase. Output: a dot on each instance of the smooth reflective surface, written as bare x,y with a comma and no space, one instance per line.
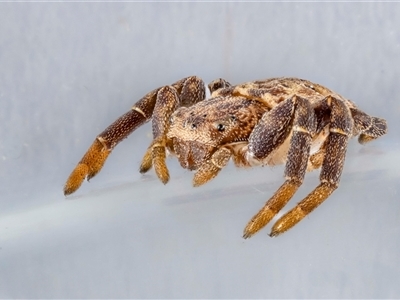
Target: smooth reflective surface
68,70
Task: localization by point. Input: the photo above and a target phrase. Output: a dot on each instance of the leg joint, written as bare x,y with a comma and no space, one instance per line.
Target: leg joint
135,108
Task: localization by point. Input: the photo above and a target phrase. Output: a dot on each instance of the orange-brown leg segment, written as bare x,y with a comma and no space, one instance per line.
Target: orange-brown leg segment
190,90
299,151
93,160
341,129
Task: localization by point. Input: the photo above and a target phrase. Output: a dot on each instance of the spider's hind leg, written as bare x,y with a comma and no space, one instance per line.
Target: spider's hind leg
369,128
341,129
278,121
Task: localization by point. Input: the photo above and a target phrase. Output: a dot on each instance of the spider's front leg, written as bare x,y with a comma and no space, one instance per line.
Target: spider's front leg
167,102
273,129
189,90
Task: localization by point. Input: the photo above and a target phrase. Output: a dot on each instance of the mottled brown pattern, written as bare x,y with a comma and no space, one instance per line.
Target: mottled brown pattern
273,129
303,128
212,166
121,128
279,120
220,85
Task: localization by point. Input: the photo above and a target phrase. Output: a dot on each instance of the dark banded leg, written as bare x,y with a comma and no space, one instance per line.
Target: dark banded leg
295,169
190,91
340,132
211,167
272,130
368,127
93,160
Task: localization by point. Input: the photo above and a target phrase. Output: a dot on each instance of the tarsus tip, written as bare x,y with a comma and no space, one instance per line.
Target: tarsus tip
246,235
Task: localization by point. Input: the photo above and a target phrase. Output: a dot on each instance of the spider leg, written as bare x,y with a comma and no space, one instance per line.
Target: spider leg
341,130
211,167
296,165
368,127
93,160
219,87
190,91
167,102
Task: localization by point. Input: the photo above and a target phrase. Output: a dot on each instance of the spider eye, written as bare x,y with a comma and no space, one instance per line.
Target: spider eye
220,127
193,126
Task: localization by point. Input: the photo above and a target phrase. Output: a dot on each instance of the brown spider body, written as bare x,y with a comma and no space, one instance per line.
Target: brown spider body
279,120
198,131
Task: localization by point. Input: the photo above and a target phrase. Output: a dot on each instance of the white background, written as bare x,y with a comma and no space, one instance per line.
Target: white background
67,70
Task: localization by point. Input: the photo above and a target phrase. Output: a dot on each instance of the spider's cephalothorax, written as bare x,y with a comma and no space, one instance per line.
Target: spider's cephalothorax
268,122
